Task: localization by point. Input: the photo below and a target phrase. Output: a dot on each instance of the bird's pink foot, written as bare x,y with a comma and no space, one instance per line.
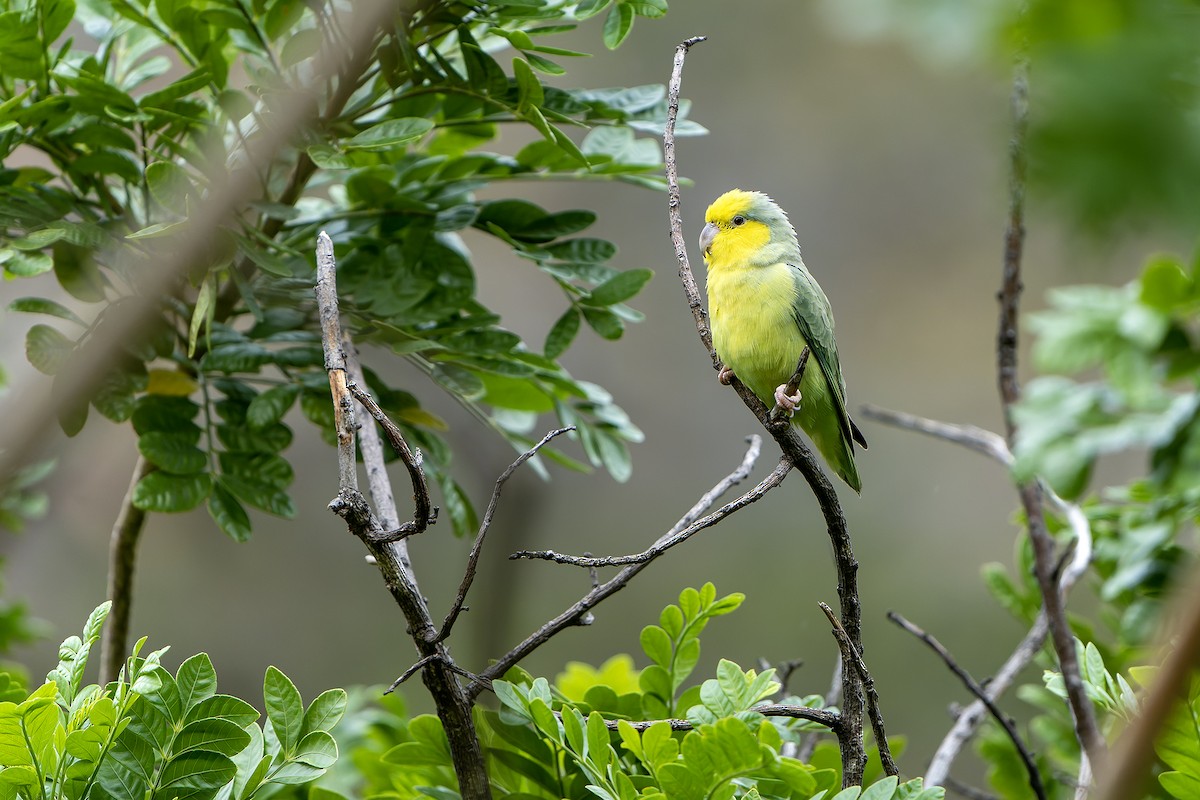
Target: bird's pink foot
788,402
725,376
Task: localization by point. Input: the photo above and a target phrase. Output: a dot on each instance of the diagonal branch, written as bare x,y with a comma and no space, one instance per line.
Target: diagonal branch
853,754
1035,777
484,526
578,613
849,654
671,538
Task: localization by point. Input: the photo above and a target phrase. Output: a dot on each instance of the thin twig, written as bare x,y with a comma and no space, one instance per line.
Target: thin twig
969,792
371,446
809,743
423,514
980,440
665,543
779,413
709,498
820,716
122,559
868,683
1086,728
1035,777
485,525
579,612
853,753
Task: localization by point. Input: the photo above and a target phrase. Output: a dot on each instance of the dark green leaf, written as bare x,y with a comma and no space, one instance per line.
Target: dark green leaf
270,406
166,493
172,452
617,25
284,708
392,133
620,287
604,322
228,513
39,305
562,333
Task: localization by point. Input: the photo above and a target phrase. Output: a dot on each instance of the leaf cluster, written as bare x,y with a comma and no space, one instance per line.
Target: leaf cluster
157,735
576,738
136,109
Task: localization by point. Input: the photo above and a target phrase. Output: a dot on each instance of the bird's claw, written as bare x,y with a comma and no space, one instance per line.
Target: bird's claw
788,402
725,376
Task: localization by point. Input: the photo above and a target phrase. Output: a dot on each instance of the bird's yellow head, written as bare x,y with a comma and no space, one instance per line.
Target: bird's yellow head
746,229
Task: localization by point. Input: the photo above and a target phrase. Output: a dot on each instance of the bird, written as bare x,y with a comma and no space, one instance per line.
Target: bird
765,308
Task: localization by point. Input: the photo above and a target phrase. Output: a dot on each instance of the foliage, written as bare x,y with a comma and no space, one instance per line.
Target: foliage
153,734
135,109
542,743
1113,135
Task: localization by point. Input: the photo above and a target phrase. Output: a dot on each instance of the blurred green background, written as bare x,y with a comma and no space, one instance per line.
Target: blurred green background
891,161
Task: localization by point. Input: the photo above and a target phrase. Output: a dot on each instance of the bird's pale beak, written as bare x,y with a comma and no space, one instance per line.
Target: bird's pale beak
706,237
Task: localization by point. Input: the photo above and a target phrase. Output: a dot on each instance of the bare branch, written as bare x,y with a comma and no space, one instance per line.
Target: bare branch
820,716
709,498
969,792
579,612
1035,778
849,653
969,719
484,526
122,558
424,514
671,540
853,754
980,440
809,743
779,413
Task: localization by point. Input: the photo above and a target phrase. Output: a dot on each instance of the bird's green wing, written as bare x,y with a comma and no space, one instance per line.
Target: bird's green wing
814,317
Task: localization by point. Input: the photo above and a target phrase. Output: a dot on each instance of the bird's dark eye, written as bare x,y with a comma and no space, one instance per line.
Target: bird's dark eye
739,220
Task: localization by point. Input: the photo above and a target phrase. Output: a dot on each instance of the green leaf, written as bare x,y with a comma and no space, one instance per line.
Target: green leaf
562,333
285,710
617,25
197,770
529,88
620,287
391,133
325,711
196,679
300,45
656,644
172,452
39,305
165,493
202,314
47,349
228,513
269,407
604,322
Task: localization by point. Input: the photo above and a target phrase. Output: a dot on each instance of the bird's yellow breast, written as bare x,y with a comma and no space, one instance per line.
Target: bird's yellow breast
754,330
